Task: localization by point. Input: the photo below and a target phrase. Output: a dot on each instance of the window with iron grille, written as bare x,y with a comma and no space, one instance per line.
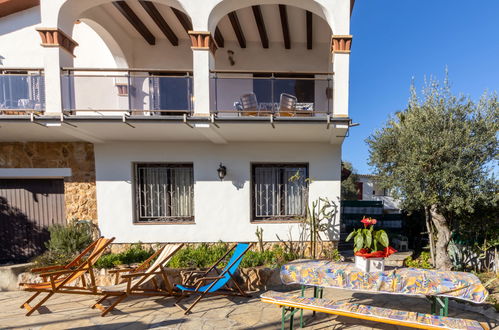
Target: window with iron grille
279,191
164,192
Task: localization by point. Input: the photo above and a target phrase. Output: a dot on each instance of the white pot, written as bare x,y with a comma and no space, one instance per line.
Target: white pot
370,264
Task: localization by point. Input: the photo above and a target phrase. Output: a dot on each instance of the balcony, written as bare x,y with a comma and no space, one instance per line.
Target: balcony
22,91
272,94
130,92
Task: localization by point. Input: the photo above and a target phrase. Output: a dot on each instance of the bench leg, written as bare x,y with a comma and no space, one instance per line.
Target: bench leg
439,306
303,287
285,316
318,293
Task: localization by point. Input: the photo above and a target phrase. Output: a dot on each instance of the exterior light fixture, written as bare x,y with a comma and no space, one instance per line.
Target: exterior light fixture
222,172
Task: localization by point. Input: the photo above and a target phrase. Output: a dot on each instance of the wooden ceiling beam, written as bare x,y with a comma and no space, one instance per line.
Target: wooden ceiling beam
260,24
135,21
234,21
219,38
285,26
309,30
156,16
183,19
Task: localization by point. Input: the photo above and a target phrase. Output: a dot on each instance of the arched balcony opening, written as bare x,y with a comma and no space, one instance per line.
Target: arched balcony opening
272,60
133,59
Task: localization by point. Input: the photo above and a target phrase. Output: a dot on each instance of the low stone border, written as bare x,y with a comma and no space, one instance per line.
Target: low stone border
9,275
250,279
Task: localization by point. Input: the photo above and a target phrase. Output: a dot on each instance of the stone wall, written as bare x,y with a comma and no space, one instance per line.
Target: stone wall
79,189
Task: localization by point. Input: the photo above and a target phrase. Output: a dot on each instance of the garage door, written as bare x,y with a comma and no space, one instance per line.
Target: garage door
27,208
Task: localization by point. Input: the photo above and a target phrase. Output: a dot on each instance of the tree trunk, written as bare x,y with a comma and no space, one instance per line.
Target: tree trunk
429,228
442,259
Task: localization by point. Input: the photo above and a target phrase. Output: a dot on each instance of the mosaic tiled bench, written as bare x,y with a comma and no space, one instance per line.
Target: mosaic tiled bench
293,302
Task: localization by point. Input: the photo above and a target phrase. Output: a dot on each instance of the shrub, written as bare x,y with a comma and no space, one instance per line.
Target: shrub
332,254
65,243
202,256
423,261
134,254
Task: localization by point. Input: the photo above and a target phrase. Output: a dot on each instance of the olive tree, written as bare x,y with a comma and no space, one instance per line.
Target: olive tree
349,189
438,155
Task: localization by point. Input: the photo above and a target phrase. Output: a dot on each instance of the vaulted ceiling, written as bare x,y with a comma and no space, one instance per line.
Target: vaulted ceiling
262,25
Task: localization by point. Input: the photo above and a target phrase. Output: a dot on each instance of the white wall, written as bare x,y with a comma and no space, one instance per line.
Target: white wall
371,191
222,208
19,41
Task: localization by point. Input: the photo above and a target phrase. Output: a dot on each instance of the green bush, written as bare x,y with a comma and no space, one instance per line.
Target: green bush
134,254
332,254
65,243
204,256
423,261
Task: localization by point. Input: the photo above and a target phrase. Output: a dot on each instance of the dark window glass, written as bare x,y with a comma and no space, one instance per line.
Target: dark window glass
301,86
279,191
164,192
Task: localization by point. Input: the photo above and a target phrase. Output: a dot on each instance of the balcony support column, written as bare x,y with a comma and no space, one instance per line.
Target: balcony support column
203,51
57,53
340,47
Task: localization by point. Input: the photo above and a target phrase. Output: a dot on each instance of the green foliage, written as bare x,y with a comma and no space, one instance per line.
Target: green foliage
259,236
423,261
349,189
332,254
318,220
65,243
134,254
204,256
436,155
71,238
369,239
438,150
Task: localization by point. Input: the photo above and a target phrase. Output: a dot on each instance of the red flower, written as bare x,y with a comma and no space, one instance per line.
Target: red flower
368,221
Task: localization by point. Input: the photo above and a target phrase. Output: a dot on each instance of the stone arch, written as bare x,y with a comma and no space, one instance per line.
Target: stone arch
69,11
317,7
120,57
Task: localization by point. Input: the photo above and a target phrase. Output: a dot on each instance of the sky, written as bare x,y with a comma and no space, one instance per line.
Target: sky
395,41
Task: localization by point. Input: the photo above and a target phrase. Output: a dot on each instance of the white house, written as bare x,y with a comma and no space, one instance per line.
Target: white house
126,112
370,190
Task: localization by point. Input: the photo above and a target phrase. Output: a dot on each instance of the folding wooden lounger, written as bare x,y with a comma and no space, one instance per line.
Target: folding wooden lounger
210,285
137,282
59,279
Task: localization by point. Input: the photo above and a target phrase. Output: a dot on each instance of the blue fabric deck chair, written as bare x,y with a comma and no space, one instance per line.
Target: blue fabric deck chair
215,284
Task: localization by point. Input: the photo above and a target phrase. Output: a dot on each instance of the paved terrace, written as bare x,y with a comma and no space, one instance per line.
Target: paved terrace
73,311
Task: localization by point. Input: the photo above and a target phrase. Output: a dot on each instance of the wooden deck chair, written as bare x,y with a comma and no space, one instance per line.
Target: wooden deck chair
58,279
136,282
215,284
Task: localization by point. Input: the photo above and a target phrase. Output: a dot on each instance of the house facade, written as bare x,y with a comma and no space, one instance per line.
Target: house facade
370,190
172,120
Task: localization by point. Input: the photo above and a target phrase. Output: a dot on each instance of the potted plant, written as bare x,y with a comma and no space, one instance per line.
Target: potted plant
371,247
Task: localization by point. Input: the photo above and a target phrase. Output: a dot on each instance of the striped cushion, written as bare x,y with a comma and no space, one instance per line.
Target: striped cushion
379,314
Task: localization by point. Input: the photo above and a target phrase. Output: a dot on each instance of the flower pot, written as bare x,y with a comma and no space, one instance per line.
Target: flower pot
370,264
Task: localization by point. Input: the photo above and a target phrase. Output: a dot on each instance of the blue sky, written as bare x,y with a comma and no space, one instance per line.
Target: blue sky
396,40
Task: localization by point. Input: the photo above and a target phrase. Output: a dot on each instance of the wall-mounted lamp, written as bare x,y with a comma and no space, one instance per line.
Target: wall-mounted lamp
222,171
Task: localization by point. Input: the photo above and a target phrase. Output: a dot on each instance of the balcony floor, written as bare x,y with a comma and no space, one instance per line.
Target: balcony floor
169,128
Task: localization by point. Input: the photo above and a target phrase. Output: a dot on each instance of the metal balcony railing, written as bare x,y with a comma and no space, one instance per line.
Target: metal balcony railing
137,92
21,91
282,94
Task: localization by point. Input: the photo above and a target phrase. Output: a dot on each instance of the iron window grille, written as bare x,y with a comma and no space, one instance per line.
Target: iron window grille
164,192
279,191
